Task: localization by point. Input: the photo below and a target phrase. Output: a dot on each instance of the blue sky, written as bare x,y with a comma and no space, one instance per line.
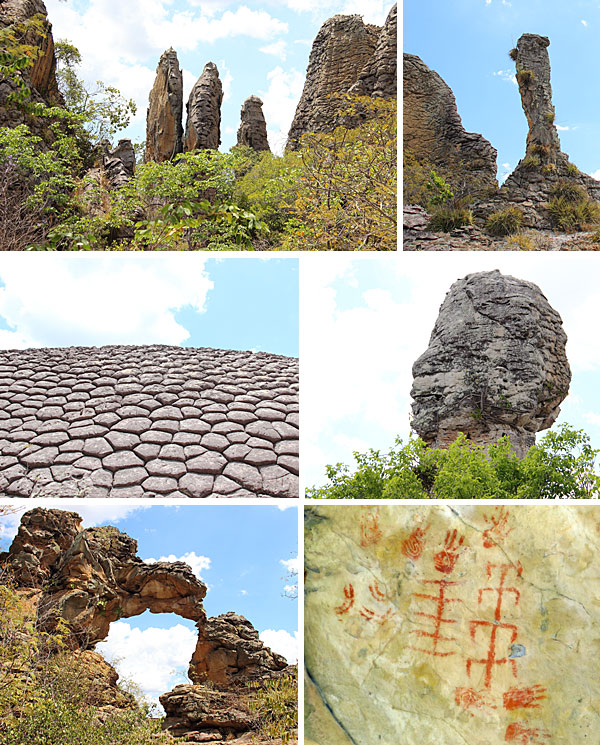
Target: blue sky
365,320
260,48
240,303
243,554
467,43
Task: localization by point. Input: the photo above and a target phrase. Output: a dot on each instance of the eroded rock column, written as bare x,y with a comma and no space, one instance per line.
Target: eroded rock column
253,127
379,77
496,365
203,128
164,129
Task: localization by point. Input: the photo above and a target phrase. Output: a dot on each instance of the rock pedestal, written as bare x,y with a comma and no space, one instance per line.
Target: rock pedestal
203,128
164,129
496,365
433,130
253,128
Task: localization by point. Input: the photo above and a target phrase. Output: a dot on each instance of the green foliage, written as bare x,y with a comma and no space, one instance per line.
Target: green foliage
46,692
504,222
521,242
561,465
446,219
568,190
513,54
572,169
549,116
530,162
103,111
548,169
18,54
539,149
439,190
571,210
275,706
525,77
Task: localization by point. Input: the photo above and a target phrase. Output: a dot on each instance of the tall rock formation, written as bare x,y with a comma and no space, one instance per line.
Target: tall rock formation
433,129
533,182
164,129
343,47
380,75
253,128
496,365
203,128
41,77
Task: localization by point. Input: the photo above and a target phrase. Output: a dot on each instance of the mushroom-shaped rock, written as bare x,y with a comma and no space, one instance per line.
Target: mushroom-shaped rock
253,127
496,365
203,128
164,129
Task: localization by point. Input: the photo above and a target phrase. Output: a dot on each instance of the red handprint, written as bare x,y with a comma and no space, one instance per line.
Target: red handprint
499,530
348,603
414,545
519,733
469,699
527,697
445,560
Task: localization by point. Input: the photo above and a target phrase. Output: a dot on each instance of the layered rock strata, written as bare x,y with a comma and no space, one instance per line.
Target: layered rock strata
130,421
379,76
433,130
41,77
203,128
496,365
470,624
341,50
164,129
253,127
92,577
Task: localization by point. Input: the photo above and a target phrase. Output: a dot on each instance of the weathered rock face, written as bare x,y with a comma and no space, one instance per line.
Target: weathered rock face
203,128
164,129
433,129
92,577
343,47
119,164
141,421
253,128
461,623
379,77
41,78
496,364
229,651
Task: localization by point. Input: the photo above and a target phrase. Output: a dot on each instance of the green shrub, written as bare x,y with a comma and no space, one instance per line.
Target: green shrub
568,191
549,116
539,149
548,169
504,222
275,706
521,242
513,54
524,77
530,162
571,216
572,169
446,219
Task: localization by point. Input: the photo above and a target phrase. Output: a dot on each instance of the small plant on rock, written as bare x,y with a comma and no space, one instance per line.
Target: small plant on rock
521,242
572,169
568,191
446,219
540,149
548,169
549,116
525,77
513,53
530,162
504,222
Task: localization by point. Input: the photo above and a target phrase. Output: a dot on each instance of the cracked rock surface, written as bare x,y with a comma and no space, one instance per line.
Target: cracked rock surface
440,625
148,421
496,364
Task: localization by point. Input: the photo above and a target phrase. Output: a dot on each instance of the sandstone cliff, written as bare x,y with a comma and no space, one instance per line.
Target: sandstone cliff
203,128
164,129
496,365
433,130
342,49
379,76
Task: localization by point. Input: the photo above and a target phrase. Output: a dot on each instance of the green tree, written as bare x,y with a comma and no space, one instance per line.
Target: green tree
561,465
103,110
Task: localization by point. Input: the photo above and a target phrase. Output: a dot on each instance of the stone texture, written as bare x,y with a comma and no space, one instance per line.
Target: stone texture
496,364
445,625
119,164
343,47
169,415
203,128
164,128
379,77
433,130
253,128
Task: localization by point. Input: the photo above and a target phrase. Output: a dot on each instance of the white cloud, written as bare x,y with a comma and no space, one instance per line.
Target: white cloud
90,299
562,129
278,49
279,104
282,642
592,418
507,75
226,79
243,592
584,23
596,175
155,659
196,562
292,565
